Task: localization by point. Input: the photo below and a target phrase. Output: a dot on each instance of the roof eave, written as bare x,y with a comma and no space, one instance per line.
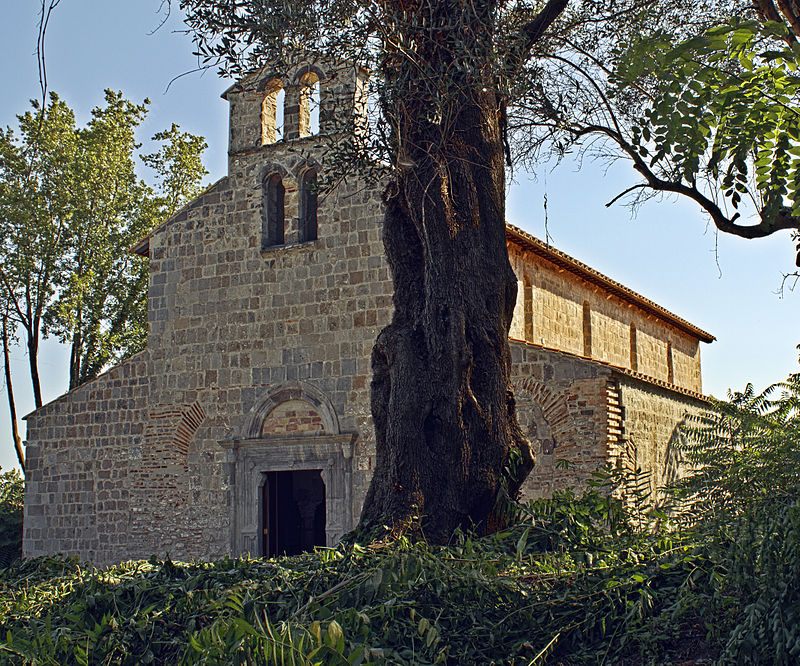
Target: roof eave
578,268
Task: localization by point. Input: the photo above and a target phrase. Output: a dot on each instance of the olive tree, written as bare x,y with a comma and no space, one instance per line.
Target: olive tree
461,89
448,441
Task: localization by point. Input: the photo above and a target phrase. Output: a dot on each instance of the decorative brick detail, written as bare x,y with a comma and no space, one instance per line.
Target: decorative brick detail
616,417
553,406
191,420
293,417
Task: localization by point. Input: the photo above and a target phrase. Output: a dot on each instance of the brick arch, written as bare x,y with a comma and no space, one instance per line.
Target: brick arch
307,164
553,406
287,392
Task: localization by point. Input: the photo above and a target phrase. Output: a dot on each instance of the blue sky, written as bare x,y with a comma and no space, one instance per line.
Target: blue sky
667,252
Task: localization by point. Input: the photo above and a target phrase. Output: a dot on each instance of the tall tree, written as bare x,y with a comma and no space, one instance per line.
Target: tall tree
448,442
33,216
702,105
455,84
71,206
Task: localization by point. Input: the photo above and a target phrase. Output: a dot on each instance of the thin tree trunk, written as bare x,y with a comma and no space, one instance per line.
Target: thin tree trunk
11,403
447,437
33,363
75,357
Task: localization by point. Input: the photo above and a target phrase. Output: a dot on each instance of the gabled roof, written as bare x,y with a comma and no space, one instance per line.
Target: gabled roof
588,274
142,246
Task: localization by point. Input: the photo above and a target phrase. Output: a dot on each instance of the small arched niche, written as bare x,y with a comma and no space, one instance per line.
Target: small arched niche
272,112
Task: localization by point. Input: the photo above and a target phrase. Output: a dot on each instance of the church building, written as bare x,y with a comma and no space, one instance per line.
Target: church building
244,426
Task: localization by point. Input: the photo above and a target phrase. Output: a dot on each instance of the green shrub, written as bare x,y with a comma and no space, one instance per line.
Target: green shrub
741,502
11,499
581,578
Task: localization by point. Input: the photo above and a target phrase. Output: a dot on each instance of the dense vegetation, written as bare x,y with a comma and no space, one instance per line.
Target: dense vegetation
11,496
577,579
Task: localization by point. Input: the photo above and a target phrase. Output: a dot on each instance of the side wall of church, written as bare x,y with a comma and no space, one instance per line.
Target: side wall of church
652,436
80,449
556,304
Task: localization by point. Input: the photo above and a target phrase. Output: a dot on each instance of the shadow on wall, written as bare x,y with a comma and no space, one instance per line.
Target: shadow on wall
674,464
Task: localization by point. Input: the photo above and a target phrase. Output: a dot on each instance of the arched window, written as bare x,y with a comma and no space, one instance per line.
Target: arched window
272,216
308,206
272,113
309,104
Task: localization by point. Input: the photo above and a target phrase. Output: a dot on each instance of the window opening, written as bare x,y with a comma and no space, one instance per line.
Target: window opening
309,104
272,113
272,219
587,329
670,369
308,206
292,512
634,351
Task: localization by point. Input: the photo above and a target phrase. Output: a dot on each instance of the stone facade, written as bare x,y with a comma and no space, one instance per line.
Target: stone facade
264,302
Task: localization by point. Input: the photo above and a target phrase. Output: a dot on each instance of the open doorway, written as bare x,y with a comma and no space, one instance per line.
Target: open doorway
293,512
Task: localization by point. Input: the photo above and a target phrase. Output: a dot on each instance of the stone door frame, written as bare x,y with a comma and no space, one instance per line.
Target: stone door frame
332,454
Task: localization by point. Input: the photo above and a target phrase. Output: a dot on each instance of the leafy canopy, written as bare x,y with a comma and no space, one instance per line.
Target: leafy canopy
71,206
727,109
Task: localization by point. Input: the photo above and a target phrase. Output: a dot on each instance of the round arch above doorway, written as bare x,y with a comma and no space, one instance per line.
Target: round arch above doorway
256,457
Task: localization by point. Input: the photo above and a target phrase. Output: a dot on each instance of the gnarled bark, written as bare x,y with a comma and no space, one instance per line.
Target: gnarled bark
447,437
441,395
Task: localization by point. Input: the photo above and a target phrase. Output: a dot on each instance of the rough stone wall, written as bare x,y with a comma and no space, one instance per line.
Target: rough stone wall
556,308
562,408
80,449
308,313
651,438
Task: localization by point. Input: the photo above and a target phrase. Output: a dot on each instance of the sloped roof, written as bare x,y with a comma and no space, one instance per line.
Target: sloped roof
142,246
588,274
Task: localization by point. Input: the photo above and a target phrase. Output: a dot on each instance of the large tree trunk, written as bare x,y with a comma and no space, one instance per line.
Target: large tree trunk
442,405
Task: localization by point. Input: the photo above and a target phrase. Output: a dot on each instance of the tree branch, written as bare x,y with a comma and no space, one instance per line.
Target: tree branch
531,32
789,13
768,225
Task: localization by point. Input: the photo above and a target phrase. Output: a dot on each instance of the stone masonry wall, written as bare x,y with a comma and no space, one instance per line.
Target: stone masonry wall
79,454
556,309
652,416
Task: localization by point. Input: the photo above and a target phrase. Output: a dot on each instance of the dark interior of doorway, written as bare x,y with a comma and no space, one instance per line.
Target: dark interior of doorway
293,512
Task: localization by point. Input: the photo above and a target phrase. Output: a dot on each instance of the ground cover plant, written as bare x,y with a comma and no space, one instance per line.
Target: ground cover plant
577,579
